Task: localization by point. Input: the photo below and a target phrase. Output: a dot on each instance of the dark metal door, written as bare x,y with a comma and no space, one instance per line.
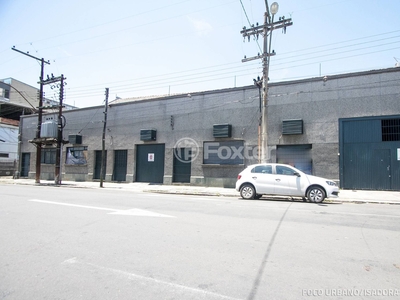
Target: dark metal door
150,163
120,161
368,153
298,156
25,163
182,165
97,165
382,169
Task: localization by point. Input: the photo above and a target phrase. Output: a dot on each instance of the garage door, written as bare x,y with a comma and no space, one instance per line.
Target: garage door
369,148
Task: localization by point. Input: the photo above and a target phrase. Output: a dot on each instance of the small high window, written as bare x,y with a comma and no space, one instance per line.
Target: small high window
390,130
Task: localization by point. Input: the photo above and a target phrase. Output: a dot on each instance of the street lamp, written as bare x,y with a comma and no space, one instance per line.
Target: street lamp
274,8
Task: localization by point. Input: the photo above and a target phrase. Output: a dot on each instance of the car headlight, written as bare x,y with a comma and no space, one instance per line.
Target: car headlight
332,183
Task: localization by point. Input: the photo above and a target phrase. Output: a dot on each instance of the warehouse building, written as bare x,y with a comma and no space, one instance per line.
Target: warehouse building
344,127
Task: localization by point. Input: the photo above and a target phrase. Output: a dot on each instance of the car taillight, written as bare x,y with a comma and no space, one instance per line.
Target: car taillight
239,176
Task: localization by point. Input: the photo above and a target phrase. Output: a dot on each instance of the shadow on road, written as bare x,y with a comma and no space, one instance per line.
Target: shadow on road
264,261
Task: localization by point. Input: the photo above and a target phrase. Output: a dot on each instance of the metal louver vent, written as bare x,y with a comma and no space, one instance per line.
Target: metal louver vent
148,134
292,126
75,139
222,131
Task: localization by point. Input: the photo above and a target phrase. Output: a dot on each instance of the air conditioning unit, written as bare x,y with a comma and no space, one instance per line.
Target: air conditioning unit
75,139
148,134
222,131
292,126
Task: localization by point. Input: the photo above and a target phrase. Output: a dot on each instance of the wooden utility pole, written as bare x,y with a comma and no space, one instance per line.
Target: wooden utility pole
52,140
39,125
103,142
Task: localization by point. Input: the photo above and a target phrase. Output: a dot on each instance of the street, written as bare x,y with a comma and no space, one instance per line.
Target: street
77,243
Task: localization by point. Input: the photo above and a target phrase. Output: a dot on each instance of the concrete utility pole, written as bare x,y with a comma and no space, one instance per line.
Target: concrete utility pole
264,30
103,142
57,173
39,125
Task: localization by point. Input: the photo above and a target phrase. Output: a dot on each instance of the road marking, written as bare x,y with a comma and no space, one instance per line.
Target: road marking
355,214
112,211
133,277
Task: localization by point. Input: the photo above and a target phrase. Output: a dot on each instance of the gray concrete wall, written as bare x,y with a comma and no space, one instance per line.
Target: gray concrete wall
321,103
317,102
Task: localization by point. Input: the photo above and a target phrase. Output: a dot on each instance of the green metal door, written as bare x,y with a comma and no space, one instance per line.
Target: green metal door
25,162
182,165
150,163
382,169
97,165
369,153
120,161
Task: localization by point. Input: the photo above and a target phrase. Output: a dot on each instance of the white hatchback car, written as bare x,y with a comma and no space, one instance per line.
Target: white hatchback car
283,180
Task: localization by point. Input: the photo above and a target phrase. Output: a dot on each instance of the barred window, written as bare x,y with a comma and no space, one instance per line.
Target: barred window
390,130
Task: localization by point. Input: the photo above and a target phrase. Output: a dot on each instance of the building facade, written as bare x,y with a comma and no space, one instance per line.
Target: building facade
207,138
8,146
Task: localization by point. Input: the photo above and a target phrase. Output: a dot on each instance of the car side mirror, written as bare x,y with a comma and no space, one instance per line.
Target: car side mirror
297,174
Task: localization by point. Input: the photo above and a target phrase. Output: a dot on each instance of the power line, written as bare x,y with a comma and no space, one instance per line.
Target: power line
134,27
248,20
167,77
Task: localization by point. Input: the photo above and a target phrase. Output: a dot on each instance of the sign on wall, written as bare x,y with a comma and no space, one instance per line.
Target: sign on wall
150,157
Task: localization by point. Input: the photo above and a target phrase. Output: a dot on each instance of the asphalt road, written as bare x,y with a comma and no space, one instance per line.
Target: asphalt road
71,243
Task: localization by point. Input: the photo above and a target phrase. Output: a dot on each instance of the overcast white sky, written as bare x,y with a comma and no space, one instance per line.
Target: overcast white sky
140,48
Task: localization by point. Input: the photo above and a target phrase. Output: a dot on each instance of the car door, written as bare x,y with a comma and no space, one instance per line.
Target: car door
286,181
263,179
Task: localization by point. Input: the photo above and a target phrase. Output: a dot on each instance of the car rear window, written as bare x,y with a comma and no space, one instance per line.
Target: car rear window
262,169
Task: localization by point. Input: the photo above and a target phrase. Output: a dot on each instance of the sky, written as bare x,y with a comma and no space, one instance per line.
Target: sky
144,48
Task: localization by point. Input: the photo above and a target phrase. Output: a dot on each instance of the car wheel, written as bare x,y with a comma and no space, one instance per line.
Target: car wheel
316,194
247,191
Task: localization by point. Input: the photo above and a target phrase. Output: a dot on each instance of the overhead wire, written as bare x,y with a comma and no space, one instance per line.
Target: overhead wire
113,21
137,26
165,79
250,24
177,80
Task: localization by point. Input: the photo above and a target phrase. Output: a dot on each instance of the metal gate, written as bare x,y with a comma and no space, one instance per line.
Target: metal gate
120,161
97,165
150,163
182,165
370,153
25,163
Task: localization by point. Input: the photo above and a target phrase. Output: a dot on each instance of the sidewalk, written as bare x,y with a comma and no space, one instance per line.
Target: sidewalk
356,196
